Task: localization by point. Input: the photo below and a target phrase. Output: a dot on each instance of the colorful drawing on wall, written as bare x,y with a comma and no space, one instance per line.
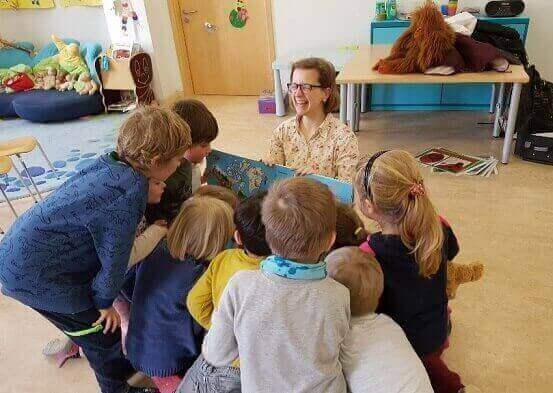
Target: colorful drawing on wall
9,4
81,3
26,4
246,177
239,15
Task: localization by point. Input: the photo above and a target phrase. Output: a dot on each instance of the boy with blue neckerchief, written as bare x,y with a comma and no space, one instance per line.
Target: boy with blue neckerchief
287,320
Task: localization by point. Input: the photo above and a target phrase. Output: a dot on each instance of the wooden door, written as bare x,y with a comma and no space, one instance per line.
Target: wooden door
224,58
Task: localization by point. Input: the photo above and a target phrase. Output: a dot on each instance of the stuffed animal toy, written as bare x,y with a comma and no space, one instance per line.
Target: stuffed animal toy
424,45
20,82
85,85
458,274
69,83
49,80
69,58
38,78
60,79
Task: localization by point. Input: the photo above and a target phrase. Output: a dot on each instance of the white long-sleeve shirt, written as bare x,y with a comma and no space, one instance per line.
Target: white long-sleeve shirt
287,333
377,358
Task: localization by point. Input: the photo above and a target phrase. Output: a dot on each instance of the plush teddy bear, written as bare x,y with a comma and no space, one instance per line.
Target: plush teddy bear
69,83
458,274
85,84
60,79
49,79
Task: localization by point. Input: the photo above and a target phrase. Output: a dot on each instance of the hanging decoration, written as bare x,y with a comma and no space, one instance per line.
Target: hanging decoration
239,15
26,4
125,11
81,3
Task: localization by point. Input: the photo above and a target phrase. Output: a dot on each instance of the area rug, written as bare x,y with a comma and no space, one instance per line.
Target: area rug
70,146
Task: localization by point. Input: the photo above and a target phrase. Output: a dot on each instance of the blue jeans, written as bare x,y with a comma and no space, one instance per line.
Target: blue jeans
103,351
204,378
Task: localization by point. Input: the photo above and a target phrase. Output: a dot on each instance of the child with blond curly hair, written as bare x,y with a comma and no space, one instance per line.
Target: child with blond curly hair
66,257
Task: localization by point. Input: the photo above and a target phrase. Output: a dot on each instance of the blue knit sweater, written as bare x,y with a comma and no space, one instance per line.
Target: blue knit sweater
69,253
163,339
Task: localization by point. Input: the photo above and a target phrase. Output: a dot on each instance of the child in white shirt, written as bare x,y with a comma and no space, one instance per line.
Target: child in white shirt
376,356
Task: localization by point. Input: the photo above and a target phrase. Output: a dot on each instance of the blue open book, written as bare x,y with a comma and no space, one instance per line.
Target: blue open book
245,176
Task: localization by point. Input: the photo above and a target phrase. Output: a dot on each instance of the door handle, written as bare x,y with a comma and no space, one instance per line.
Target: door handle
209,27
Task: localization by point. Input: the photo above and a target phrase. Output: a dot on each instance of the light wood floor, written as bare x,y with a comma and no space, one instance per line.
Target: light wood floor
502,338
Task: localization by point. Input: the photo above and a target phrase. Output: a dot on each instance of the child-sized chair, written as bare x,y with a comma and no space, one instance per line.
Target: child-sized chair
5,166
16,147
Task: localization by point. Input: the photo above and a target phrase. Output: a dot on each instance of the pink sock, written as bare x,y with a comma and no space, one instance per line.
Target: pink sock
123,308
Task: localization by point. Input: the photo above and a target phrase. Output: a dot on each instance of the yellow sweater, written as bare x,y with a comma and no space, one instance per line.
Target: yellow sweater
204,296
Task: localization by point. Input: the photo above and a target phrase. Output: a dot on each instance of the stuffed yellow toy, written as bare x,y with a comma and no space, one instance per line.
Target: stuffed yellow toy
458,274
85,85
69,58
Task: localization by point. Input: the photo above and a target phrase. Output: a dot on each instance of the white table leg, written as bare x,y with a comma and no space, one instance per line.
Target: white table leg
498,109
350,104
357,108
494,93
364,93
511,123
343,103
279,97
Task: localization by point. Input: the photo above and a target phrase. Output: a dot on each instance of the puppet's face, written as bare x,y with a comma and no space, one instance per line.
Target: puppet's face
141,67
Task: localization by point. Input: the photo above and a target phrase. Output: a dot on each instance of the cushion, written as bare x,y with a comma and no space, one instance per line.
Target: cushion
43,106
6,107
10,57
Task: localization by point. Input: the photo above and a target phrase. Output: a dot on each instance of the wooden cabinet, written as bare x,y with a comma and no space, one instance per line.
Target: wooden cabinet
432,97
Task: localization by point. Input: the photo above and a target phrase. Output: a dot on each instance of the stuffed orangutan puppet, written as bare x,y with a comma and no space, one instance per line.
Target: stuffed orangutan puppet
424,45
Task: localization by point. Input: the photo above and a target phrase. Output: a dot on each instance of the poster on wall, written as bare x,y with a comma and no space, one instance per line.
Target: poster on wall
81,3
26,4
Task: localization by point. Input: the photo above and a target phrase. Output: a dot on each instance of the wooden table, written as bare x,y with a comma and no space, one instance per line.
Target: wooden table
358,71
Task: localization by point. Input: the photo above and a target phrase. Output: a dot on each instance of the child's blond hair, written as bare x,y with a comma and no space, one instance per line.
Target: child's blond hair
300,218
396,189
202,228
222,193
153,131
361,274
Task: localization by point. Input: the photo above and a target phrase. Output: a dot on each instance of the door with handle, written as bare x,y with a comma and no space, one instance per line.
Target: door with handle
224,59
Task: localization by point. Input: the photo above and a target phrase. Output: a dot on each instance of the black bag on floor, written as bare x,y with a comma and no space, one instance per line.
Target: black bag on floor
535,116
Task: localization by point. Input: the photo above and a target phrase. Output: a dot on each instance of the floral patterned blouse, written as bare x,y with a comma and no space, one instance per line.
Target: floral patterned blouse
332,151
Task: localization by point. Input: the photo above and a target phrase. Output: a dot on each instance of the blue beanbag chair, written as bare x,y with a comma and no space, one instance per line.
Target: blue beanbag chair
44,106
6,104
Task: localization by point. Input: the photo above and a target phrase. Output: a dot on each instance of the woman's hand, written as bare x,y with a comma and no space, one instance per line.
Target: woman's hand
111,319
267,162
303,172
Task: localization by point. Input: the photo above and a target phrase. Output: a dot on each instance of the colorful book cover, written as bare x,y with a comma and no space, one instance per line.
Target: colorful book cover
245,177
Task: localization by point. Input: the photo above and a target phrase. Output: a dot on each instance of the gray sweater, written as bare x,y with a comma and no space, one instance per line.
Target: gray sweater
287,332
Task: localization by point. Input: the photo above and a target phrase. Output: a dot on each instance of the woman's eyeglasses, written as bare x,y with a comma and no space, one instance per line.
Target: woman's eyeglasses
368,167
304,87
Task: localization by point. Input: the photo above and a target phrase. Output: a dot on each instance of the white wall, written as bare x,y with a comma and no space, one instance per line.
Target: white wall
81,23
155,36
330,23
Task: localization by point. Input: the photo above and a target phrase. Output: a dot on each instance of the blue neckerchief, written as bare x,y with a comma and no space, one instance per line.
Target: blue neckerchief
294,270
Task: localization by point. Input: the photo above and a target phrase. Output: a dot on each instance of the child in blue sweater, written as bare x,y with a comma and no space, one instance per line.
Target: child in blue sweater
66,257
163,339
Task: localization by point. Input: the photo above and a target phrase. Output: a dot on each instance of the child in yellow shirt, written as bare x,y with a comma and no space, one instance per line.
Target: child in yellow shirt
250,235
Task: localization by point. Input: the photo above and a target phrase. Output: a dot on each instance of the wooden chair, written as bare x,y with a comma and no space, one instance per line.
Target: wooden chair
16,147
5,166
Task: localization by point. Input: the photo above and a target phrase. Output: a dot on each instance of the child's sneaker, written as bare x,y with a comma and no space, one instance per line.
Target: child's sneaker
470,389
57,346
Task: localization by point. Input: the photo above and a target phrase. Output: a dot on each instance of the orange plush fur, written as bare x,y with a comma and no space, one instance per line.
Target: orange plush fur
424,45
